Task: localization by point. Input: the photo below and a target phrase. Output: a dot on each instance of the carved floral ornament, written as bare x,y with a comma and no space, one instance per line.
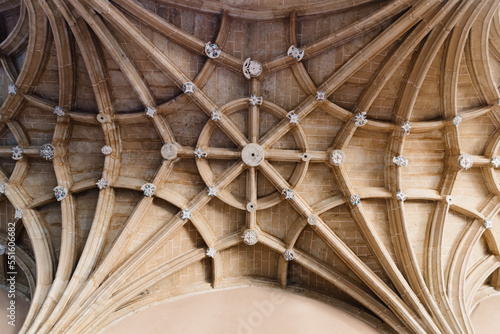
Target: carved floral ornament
288,193
212,50
17,153
150,111
255,100
495,162
212,191
250,237
337,157
360,119
320,95
2,188
199,153
355,200
288,255
401,196
47,151
58,111
216,115
188,88
400,161
465,161
251,68
60,193
406,127
186,214
148,189
106,150
12,89
18,214
211,252
293,117
102,183
488,224
457,120
295,52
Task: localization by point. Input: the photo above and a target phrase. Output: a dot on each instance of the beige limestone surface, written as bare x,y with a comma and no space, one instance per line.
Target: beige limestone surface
486,316
408,248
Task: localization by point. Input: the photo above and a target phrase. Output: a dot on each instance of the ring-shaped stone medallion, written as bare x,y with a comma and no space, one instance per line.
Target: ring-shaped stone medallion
254,161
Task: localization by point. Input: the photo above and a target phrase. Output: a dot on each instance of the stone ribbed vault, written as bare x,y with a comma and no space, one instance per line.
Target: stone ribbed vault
401,243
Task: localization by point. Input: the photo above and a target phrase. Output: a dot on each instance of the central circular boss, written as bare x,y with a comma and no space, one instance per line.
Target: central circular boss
257,159
252,155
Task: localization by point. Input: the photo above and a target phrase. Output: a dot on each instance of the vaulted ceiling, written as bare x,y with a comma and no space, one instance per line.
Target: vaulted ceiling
143,164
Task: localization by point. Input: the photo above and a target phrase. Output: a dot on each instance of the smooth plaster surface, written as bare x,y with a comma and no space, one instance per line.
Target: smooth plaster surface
241,311
486,316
